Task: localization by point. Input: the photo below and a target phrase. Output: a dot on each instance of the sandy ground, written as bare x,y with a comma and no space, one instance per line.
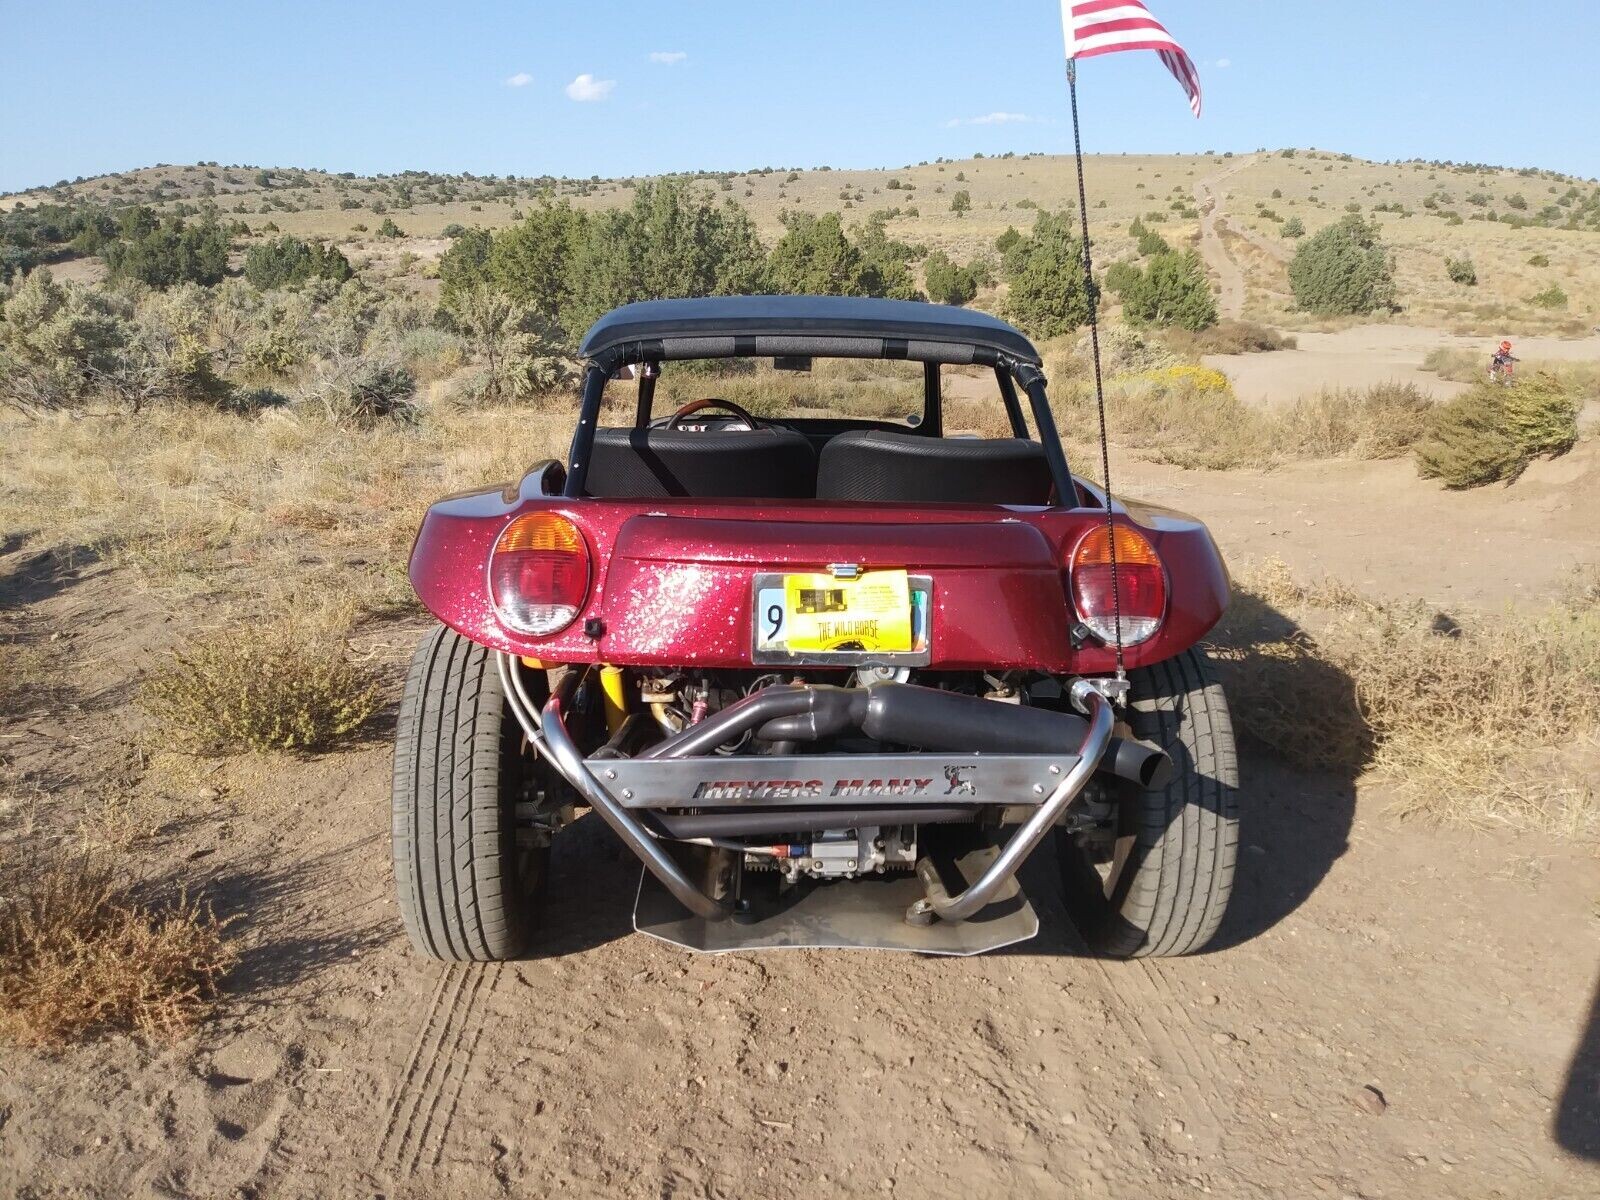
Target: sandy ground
1367,354
1376,527
1455,974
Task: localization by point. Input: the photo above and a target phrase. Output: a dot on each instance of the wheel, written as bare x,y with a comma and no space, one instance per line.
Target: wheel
1157,885
467,891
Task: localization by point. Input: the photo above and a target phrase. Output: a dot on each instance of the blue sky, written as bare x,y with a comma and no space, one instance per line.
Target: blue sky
609,88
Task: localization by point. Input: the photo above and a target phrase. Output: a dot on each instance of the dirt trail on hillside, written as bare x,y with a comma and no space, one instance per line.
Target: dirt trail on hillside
1211,197
1454,974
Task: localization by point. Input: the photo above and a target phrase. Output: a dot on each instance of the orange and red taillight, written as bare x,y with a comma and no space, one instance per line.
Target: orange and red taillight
539,574
1141,584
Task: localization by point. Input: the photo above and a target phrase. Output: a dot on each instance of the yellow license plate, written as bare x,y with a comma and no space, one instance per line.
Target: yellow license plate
820,614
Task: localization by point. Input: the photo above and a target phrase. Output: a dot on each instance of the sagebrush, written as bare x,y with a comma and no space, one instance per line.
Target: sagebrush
248,689
83,954
1491,433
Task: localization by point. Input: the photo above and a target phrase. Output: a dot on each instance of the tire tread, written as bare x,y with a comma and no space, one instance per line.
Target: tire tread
452,834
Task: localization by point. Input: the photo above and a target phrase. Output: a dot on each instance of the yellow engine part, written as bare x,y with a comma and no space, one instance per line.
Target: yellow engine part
613,686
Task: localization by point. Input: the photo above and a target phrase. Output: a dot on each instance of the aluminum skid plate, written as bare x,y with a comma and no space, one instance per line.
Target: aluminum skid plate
841,914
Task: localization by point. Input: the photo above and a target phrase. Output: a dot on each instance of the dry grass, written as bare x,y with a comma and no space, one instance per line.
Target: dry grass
200,504
1228,337
81,954
282,687
26,675
1472,366
1487,720
1190,417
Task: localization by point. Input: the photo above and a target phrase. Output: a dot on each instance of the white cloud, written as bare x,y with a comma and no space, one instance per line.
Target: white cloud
520,79
670,58
586,87
1224,63
994,118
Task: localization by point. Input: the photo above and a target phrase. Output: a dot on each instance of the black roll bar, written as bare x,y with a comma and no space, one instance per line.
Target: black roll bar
1008,393
1032,380
1006,369
594,386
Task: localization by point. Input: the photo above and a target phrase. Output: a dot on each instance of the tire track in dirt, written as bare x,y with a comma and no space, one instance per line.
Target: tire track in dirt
1147,1007
423,1105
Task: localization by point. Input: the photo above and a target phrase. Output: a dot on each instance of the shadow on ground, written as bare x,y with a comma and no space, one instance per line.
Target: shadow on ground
593,881
39,576
1577,1123
293,918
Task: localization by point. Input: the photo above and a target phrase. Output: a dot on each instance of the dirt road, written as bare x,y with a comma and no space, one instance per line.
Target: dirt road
1453,974
1211,197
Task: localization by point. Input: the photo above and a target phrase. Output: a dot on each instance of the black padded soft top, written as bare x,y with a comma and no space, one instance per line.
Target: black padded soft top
827,326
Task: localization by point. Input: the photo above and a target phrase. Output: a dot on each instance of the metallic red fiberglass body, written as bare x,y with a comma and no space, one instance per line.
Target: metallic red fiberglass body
671,582
831,677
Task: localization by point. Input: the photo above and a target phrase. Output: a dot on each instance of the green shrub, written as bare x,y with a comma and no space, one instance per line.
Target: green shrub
531,261
1171,290
1551,297
1539,260
948,282
1542,415
1462,271
889,261
672,240
961,202
1491,433
520,357
162,253
465,264
1152,243
275,351
290,262
815,256
1343,269
1048,297
1294,227
1120,276
59,342
389,229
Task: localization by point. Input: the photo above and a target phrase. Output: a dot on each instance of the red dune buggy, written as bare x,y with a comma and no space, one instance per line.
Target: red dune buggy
831,678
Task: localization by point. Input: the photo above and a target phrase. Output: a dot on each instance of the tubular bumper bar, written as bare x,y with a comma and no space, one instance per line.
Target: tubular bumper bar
547,732
939,903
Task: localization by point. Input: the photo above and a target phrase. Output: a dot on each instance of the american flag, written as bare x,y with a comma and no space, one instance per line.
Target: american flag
1106,26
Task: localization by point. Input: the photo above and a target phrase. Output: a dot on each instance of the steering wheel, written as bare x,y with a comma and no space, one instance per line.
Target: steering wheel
696,406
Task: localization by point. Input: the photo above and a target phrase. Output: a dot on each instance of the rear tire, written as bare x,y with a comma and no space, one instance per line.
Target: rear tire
1167,884
466,892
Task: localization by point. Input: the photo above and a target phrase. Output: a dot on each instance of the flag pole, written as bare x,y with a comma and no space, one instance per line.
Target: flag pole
1099,381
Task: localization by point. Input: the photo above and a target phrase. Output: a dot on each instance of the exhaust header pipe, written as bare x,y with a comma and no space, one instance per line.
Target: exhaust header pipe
909,715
